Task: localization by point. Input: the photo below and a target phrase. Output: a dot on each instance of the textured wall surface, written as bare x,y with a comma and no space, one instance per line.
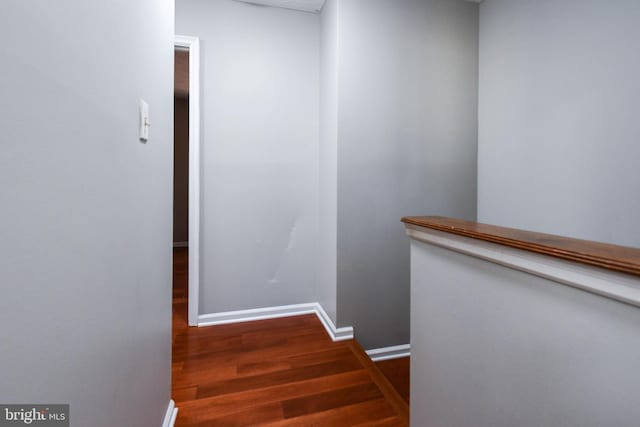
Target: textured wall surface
259,152
85,312
495,347
407,135
558,135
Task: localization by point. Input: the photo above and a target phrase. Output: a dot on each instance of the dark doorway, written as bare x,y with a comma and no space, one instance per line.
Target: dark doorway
181,190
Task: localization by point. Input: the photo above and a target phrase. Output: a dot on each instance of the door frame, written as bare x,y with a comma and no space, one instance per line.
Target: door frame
192,45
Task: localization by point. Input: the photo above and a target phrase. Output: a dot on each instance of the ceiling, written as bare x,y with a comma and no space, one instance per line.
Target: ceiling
303,5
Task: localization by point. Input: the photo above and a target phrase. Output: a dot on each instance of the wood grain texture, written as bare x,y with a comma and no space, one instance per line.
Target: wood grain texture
612,257
279,372
397,372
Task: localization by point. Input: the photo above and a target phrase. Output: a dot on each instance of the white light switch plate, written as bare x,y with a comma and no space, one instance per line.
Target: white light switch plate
144,121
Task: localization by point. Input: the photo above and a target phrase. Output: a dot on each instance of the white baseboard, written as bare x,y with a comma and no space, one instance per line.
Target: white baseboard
170,415
388,353
336,334
180,244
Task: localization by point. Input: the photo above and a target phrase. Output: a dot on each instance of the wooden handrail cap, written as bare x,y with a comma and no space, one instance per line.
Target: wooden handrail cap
612,257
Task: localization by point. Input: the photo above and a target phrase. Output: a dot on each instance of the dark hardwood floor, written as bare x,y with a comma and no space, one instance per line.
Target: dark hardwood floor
180,290
397,372
278,372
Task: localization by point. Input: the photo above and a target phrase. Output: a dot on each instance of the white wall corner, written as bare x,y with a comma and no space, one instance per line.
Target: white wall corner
337,334
171,415
223,318
388,353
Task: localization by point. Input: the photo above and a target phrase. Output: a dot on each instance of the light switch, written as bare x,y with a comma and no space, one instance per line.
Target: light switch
144,121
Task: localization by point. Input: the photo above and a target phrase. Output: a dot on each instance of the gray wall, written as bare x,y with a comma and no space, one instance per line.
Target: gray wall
85,312
328,159
260,113
558,135
407,132
494,347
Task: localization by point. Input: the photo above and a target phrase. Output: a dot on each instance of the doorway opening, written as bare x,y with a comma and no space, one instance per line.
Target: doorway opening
186,191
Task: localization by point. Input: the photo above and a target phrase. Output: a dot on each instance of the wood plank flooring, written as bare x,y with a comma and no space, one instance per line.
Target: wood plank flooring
279,372
397,372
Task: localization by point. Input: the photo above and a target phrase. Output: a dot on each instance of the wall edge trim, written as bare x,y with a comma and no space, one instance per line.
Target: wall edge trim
171,415
192,44
388,353
620,287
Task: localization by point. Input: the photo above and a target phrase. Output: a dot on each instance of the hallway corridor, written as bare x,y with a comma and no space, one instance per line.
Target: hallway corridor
280,372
